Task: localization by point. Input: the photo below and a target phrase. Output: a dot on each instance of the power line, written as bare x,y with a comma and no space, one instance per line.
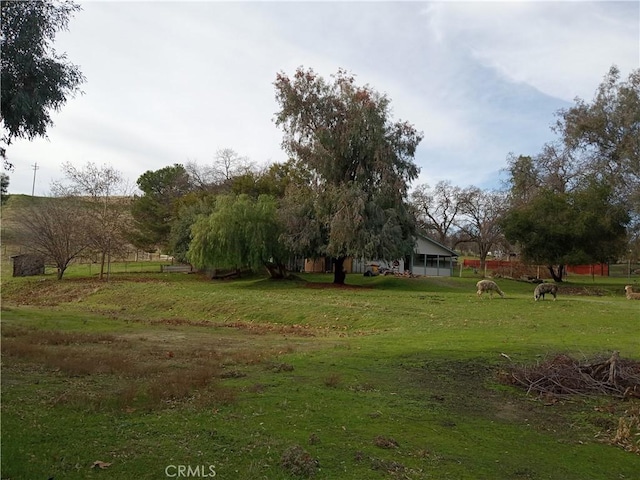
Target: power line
35,168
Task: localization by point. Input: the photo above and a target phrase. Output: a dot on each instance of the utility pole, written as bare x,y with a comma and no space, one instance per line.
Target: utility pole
35,168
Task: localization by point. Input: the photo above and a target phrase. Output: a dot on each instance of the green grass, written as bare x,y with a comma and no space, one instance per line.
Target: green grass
384,378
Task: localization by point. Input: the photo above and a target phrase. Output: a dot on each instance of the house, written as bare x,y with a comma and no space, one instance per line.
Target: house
431,258
428,258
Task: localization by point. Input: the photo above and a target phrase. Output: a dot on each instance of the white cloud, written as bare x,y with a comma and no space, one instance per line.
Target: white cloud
169,82
563,49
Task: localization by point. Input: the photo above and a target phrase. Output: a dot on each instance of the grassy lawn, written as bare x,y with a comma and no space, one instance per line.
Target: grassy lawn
165,375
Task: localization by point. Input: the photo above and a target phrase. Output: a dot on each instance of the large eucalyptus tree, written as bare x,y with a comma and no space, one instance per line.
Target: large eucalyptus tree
360,164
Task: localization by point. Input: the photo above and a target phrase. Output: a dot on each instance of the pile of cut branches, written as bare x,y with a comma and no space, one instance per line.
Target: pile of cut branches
563,376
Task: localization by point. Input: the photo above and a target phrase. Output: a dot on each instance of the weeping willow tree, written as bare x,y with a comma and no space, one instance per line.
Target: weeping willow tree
240,232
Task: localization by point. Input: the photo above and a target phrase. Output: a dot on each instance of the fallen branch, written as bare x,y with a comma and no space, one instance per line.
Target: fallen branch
564,376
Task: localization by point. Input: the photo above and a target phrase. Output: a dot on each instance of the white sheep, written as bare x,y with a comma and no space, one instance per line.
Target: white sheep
543,288
630,294
489,286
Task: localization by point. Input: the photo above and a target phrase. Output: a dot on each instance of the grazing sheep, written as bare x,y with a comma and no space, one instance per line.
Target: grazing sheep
630,294
543,288
489,286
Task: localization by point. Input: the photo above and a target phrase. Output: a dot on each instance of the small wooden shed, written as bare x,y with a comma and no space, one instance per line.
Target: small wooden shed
27,264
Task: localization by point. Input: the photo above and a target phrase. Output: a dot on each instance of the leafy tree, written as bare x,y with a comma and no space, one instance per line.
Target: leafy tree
35,79
599,144
231,174
240,232
598,140
556,229
556,168
606,133
4,188
54,227
272,180
102,192
360,164
156,208
192,206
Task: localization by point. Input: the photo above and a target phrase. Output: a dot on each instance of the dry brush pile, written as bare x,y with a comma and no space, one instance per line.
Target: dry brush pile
562,377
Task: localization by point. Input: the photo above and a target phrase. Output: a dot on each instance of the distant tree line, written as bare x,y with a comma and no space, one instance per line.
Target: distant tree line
342,193
345,191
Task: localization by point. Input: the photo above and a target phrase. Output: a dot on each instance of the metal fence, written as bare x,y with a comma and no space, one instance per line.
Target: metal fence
625,270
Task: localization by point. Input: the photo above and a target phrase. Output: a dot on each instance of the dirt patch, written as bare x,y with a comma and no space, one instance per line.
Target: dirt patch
466,388
50,292
385,442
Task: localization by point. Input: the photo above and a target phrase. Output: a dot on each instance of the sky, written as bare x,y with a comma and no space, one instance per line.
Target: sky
175,82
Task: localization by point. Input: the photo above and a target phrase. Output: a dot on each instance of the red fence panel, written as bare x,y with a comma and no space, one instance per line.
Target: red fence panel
599,269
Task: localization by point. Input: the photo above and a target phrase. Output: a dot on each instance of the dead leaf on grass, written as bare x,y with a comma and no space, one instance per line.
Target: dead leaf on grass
100,464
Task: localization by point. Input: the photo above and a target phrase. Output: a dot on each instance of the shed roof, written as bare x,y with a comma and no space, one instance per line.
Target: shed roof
426,245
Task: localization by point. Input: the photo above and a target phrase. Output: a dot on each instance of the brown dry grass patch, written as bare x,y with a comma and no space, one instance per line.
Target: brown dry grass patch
295,330
627,434
270,328
49,292
128,372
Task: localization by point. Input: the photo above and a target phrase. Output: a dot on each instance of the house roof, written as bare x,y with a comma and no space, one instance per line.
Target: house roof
429,246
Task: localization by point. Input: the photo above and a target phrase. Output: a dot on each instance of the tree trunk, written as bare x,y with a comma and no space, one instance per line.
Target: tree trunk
484,253
339,275
61,272
276,270
483,265
283,270
557,277
102,261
